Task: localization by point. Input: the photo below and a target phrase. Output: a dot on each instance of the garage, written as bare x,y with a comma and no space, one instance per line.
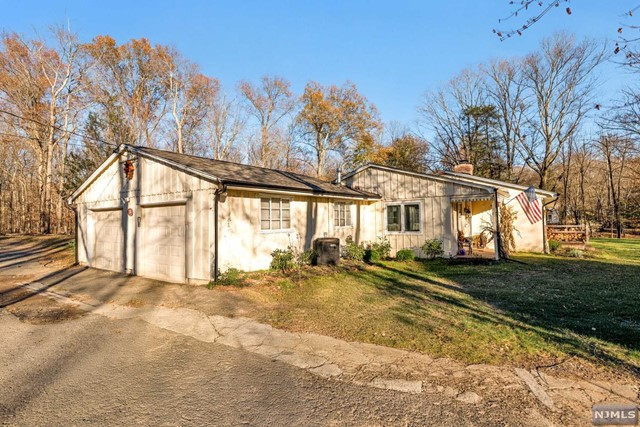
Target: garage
108,242
163,242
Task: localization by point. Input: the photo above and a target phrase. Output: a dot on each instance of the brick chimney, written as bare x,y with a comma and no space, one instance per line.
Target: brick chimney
464,167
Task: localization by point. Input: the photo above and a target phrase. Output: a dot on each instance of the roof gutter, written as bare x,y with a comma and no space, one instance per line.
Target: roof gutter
298,193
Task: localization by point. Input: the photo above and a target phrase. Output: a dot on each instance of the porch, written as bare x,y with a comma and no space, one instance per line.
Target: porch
472,224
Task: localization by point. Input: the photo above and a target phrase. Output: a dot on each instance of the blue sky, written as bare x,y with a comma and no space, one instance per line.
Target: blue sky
393,50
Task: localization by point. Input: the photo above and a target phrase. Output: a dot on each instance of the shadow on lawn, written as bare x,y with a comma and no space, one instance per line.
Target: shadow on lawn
566,302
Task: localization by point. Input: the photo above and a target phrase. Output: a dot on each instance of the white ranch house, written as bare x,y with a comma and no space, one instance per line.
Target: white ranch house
181,218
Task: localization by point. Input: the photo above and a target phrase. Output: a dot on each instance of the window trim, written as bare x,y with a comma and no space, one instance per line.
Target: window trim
348,206
276,230
402,205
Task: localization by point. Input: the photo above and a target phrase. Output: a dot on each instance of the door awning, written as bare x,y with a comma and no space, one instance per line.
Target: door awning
472,197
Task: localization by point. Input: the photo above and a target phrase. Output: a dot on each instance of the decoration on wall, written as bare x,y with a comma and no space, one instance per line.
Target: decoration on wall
128,169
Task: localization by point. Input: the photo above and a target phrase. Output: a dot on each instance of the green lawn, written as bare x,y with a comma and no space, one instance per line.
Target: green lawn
536,313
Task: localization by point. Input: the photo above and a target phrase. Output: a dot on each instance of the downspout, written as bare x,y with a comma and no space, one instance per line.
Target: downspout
545,243
75,213
215,238
498,235
74,208
216,202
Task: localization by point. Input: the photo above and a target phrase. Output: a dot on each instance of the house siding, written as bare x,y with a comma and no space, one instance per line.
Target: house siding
433,194
245,246
153,183
528,237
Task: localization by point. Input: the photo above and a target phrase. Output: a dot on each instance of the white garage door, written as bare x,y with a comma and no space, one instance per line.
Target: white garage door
163,242
108,243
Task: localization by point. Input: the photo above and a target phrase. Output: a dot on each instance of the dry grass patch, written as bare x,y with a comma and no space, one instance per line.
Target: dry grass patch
550,310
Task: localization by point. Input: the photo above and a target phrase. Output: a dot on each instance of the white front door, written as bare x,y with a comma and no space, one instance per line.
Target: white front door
163,243
108,248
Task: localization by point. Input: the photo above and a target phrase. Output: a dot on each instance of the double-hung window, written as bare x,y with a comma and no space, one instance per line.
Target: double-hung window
275,213
404,217
342,214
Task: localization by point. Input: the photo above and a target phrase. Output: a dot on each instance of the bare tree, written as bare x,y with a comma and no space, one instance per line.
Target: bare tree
561,81
190,95
268,103
225,126
507,93
463,123
615,151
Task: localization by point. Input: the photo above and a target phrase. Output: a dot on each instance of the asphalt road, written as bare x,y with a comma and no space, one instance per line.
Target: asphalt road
96,371
63,366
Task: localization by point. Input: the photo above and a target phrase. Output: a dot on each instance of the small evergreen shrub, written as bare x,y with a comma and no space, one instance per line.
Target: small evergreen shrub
554,245
230,277
308,257
432,248
405,255
353,251
283,260
372,255
382,247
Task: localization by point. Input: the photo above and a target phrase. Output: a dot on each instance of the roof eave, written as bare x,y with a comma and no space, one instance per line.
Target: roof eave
176,165
417,174
498,183
95,174
297,191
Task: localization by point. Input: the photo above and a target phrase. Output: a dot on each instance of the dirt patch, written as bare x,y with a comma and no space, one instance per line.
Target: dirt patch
134,302
29,307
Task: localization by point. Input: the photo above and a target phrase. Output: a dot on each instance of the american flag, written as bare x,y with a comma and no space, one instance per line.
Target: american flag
530,204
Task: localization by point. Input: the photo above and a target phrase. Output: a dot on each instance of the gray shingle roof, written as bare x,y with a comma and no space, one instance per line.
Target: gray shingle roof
236,174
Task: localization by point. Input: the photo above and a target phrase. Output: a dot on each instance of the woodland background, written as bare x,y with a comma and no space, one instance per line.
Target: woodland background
66,104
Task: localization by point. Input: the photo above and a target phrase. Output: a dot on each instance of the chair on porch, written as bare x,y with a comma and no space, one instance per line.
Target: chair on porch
464,241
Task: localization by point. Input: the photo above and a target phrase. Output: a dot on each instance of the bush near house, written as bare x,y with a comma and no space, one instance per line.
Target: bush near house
283,260
554,245
353,251
372,255
382,247
432,248
307,257
230,277
405,255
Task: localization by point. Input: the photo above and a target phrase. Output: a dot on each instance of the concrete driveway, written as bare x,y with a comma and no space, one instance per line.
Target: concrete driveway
81,346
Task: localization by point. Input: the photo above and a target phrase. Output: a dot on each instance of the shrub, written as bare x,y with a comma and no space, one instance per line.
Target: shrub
306,258
554,245
283,260
353,251
230,277
574,253
405,255
382,247
372,255
432,248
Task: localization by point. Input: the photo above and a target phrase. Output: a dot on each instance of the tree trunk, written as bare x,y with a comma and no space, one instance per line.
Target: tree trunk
45,218
263,146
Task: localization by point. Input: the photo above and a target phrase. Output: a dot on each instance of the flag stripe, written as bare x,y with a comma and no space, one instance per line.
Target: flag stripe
531,209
